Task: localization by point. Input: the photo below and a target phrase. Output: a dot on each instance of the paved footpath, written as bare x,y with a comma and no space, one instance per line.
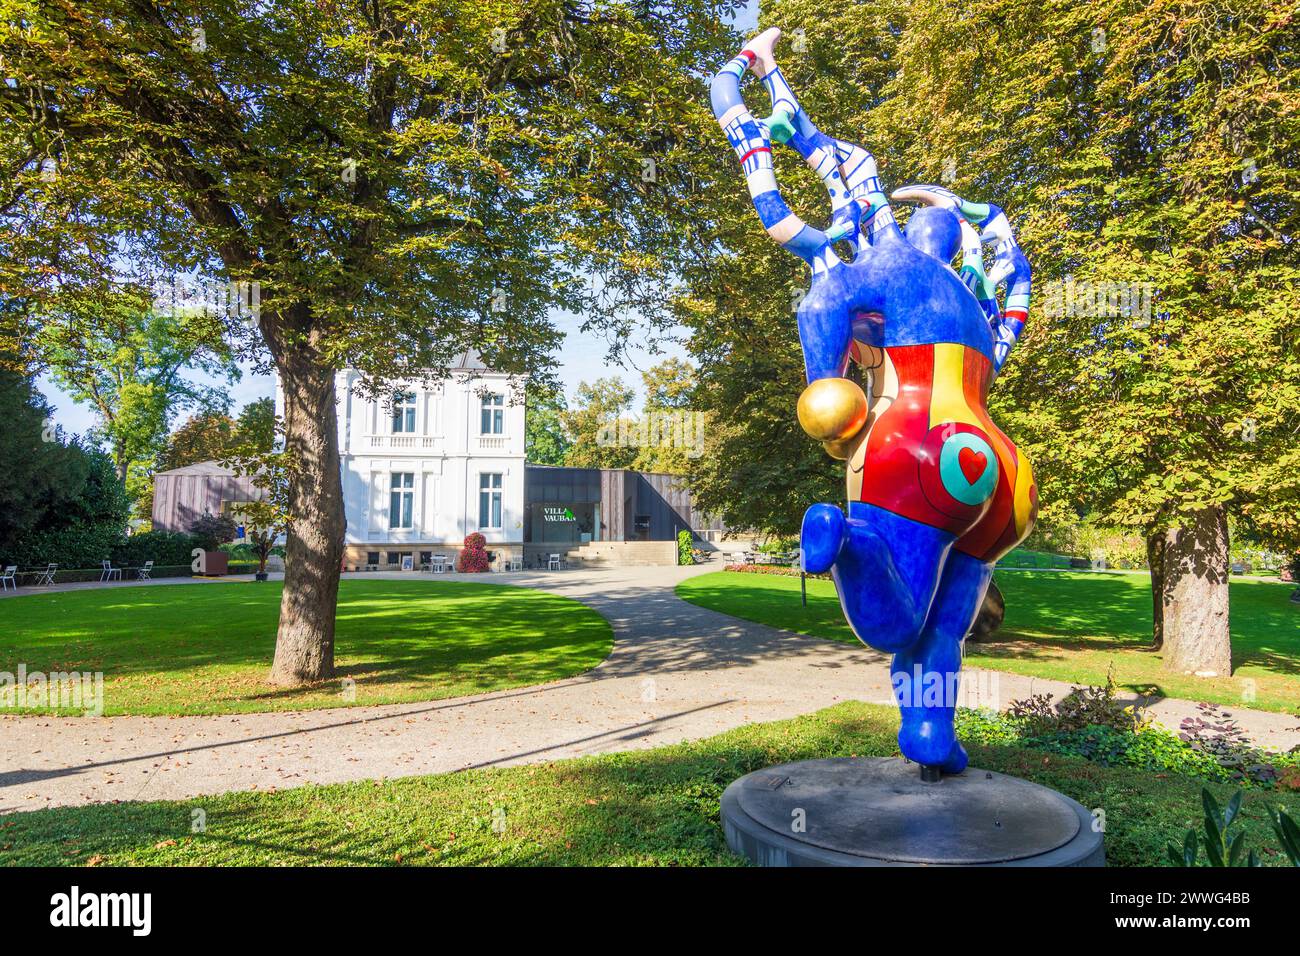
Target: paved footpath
677,672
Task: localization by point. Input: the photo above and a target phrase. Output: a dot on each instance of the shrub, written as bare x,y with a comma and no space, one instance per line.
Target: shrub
473,558
164,548
1082,707
76,546
1091,725
1120,547
985,727
777,545
212,531
684,553
1217,735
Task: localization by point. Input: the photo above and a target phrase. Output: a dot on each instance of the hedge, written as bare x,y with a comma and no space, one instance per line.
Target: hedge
77,575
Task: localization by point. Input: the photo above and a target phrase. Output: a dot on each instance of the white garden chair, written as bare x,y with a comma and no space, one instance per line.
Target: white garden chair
108,571
146,571
554,562
45,579
439,565
9,578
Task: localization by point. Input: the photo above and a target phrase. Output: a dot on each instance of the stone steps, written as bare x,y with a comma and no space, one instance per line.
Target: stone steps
628,554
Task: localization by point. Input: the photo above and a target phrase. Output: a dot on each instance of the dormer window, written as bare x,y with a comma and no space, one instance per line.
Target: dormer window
404,413
492,420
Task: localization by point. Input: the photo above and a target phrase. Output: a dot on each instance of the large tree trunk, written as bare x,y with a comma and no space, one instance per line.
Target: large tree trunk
1156,562
304,646
1196,636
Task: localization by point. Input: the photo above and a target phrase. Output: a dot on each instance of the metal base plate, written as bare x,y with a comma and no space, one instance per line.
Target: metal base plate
872,811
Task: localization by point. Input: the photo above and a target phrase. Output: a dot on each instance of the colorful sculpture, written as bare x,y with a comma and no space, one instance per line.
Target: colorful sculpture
936,492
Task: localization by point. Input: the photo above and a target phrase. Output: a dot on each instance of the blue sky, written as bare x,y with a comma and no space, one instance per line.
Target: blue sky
582,357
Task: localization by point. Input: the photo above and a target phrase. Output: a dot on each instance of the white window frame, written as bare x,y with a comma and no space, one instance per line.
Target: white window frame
401,501
491,497
492,414
404,415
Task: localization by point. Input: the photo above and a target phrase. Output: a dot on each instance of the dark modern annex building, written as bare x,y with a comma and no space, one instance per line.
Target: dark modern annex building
568,507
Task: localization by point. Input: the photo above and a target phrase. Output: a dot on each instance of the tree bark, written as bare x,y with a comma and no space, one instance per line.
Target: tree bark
1156,563
304,646
1196,636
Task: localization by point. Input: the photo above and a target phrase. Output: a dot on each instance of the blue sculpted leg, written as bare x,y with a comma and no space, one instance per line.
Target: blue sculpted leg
925,676
885,569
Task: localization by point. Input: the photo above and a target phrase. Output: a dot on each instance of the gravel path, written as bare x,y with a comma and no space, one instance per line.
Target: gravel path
678,672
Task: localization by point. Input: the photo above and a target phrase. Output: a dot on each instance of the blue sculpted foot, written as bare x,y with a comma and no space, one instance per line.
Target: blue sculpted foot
957,759
927,740
822,537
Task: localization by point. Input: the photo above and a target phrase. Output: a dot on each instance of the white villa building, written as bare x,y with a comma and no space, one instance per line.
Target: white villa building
432,464
435,461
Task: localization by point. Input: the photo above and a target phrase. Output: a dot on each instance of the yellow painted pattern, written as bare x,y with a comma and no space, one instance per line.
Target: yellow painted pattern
1021,502
948,397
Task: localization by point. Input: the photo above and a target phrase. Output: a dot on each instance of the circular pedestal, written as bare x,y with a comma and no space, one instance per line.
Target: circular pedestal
876,811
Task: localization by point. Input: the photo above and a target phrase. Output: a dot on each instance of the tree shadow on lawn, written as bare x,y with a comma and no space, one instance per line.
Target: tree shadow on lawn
406,631
658,807
1047,613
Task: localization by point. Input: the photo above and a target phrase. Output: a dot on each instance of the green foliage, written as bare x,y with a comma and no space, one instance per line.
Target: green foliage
985,727
256,428
1141,417
59,501
670,431
654,807
264,521
1288,835
545,439
1117,740
593,424
215,436
402,181
71,546
164,548
405,182
669,385
207,436
684,553
1220,849
1089,538
35,469
110,351
1083,707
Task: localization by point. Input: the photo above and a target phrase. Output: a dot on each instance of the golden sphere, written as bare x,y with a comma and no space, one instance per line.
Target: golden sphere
842,449
832,409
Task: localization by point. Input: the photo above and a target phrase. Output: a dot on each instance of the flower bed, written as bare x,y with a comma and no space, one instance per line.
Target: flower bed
778,569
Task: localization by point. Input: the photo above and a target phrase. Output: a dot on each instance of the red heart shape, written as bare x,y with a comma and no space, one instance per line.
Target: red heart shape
972,464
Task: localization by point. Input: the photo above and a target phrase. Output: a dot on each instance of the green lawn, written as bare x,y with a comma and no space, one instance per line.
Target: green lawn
207,648
656,807
1065,626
